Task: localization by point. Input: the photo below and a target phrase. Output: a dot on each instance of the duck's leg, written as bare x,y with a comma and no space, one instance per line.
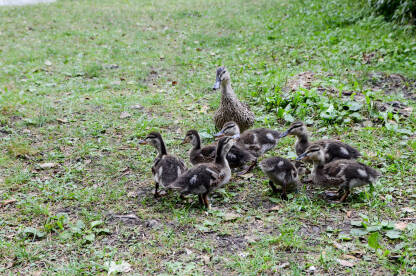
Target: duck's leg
344,196
201,202
284,192
157,194
248,168
206,201
274,189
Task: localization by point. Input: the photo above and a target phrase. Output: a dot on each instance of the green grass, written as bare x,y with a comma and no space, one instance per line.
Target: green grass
66,76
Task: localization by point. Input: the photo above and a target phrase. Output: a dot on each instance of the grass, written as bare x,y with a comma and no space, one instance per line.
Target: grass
66,77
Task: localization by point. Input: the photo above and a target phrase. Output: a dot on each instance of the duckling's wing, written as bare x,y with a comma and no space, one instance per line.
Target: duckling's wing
209,151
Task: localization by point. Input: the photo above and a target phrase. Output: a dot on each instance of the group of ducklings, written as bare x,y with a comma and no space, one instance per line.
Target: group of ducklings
239,147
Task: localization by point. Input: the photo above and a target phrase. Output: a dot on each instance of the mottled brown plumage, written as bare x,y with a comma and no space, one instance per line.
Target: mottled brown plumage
166,168
345,174
204,178
333,149
258,141
231,109
282,173
237,157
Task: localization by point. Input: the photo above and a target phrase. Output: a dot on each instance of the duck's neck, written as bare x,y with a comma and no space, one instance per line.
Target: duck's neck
303,140
220,157
162,148
196,143
227,91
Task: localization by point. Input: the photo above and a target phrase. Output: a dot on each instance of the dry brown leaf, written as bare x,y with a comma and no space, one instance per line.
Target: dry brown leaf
400,225
8,201
124,115
345,263
408,209
247,175
62,121
46,166
349,213
274,208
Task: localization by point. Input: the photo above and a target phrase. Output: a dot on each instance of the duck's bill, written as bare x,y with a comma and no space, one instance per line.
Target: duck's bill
185,140
300,157
219,134
216,85
142,142
284,134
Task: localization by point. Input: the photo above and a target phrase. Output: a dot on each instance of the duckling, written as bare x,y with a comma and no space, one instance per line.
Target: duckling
333,149
282,173
237,157
166,168
258,141
204,178
342,173
231,109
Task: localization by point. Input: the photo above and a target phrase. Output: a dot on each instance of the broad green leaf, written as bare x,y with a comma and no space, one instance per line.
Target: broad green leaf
393,234
358,232
373,240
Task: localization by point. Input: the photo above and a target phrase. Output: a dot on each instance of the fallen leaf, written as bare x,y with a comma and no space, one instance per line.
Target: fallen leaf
400,225
206,259
131,194
62,121
136,106
274,208
124,115
48,63
129,216
46,166
251,239
351,257
345,263
8,201
284,265
247,175
312,268
113,267
174,83
349,214
230,216
116,82
338,246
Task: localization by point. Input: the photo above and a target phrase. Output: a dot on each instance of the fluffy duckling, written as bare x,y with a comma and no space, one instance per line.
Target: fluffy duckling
231,109
204,178
342,173
333,149
258,141
282,173
237,157
166,168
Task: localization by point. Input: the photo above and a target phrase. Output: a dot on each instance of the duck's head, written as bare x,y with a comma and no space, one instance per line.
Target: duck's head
314,153
154,139
222,77
229,129
224,145
297,128
192,137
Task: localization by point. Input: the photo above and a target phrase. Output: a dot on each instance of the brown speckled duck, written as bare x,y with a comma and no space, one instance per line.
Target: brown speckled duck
258,141
204,178
237,157
344,174
282,173
333,149
231,109
166,168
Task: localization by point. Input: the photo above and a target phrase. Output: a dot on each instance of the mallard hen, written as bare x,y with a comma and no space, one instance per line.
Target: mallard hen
258,141
333,149
345,174
237,157
204,178
282,173
166,168
231,109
